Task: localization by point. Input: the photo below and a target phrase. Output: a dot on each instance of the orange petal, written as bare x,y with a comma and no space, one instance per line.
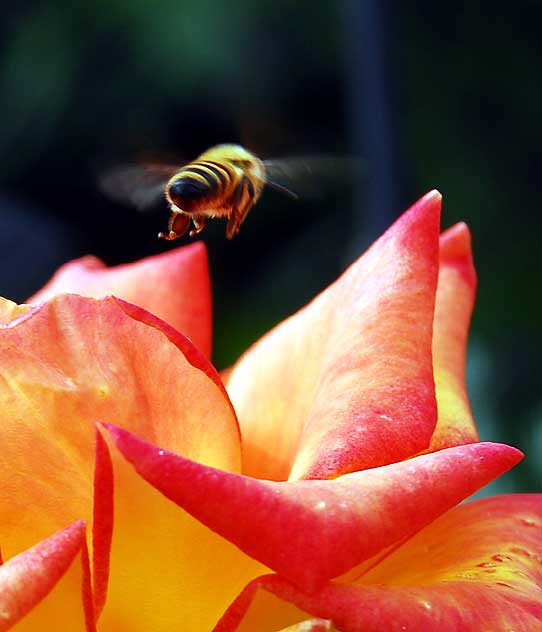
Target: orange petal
28,577
311,531
75,360
475,568
455,300
168,571
196,358
174,285
347,383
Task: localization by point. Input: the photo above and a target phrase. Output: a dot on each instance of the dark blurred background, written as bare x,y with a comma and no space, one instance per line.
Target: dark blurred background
429,95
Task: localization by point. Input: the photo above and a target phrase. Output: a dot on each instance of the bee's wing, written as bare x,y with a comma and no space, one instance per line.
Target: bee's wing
138,185
307,176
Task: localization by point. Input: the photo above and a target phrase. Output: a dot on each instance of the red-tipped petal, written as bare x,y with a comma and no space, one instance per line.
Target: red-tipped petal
102,527
475,568
258,609
311,531
347,383
73,361
196,358
179,574
455,300
28,577
173,285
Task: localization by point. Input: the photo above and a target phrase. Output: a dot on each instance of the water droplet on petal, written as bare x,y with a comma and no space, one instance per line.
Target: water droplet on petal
520,551
501,558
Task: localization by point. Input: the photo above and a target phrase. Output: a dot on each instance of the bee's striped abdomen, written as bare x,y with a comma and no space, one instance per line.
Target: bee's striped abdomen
198,182
250,188
224,181
215,176
222,171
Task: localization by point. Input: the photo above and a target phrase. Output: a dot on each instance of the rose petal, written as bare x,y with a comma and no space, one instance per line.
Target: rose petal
196,358
257,609
173,285
486,540
102,528
347,383
28,577
477,567
455,299
168,571
110,359
314,625
71,362
311,531
10,311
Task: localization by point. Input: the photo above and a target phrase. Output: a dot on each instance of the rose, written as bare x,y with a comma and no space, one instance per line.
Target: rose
340,399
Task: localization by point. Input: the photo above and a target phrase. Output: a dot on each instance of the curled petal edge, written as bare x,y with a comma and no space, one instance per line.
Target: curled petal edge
174,285
453,308
30,576
356,389
504,591
312,531
103,518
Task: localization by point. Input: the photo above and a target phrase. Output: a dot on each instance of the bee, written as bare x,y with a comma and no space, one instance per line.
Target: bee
224,181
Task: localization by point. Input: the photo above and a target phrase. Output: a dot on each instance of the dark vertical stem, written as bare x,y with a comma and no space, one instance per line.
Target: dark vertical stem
372,71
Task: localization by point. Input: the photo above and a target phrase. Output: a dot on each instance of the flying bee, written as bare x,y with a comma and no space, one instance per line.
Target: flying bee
224,181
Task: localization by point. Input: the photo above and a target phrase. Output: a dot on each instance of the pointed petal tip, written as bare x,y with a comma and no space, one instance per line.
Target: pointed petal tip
29,576
345,389
503,448
212,496
432,198
426,210
515,454
506,456
78,525
113,430
455,242
455,253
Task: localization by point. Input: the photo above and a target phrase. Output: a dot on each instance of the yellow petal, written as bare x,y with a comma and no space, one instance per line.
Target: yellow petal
74,361
455,299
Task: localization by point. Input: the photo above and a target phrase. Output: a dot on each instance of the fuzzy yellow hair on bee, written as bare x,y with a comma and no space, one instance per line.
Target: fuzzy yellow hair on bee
224,181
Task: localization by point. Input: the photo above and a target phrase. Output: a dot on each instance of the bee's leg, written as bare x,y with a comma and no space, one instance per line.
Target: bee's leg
177,226
199,225
241,203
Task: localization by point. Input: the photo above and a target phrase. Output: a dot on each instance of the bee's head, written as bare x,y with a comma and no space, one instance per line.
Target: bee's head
184,193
